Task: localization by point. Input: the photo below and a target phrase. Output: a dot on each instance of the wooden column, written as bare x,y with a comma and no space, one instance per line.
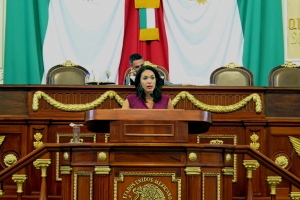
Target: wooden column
19,179
227,182
250,165
295,195
193,182
102,183
66,179
273,181
43,164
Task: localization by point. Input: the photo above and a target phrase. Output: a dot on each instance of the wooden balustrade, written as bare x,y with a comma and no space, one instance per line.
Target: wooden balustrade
106,174
19,179
273,181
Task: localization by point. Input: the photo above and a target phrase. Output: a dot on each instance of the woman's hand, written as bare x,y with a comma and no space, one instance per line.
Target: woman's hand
126,104
170,105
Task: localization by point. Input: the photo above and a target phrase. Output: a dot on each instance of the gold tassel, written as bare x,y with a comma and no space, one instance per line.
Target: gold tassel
147,3
149,34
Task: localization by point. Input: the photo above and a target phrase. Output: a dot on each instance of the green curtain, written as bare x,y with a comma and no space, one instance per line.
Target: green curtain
26,23
263,37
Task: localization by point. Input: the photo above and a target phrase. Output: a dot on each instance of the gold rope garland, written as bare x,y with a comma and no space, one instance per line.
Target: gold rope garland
74,107
220,109
112,94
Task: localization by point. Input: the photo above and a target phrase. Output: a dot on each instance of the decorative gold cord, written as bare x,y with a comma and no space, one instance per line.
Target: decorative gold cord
220,109
112,94
74,107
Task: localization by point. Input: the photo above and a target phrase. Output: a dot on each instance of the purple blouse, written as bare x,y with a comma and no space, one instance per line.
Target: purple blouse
137,103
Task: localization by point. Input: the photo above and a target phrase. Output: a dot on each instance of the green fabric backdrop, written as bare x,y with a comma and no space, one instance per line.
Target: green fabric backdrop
263,37
26,23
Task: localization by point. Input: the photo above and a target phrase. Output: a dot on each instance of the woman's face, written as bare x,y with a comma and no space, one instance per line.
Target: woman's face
148,81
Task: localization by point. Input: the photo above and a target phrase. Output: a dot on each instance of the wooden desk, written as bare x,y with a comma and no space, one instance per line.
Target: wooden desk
24,129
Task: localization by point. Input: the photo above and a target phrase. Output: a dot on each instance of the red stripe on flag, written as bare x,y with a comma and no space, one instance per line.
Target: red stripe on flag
153,51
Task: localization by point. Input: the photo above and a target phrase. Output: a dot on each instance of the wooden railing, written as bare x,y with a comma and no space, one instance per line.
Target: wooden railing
104,157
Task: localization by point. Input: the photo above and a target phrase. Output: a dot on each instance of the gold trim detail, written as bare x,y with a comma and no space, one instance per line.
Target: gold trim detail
74,107
295,195
228,158
122,174
106,137
68,63
80,141
112,94
150,64
102,156
296,144
234,137
1,193
282,161
19,179
146,3
76,174
192,156
232,65
220,109
2,137
93,135
10,159
192,170
42,164
201,1
102,170
254,138
218,184
273,181
37,136
149,34
65,169
228,171
216,141
290,64
250,165
66,156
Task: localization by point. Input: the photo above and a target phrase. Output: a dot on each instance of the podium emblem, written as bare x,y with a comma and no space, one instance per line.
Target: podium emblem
147,185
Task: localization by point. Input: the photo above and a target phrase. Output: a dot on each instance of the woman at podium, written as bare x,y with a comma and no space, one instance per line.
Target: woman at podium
148,85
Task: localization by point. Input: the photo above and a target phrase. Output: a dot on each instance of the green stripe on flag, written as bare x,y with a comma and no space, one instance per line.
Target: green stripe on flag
143,18
26,23
263,37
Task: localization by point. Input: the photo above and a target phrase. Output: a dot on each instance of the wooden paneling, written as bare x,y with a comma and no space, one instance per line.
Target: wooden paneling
13,102
278,120
283,102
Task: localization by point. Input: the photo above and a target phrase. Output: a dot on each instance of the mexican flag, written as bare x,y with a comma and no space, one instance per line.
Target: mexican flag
194,37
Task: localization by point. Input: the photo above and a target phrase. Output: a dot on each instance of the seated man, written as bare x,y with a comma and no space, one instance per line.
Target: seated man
136,61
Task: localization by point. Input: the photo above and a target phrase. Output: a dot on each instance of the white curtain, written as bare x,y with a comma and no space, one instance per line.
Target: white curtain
89,33
201,38
2,37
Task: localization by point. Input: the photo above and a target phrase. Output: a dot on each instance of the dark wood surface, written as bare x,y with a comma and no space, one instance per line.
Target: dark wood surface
278,120
99,120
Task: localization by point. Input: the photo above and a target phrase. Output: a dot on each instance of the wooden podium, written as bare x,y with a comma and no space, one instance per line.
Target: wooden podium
141,125
148,155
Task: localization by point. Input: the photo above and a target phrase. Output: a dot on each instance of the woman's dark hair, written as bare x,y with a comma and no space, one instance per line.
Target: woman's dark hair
157,90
